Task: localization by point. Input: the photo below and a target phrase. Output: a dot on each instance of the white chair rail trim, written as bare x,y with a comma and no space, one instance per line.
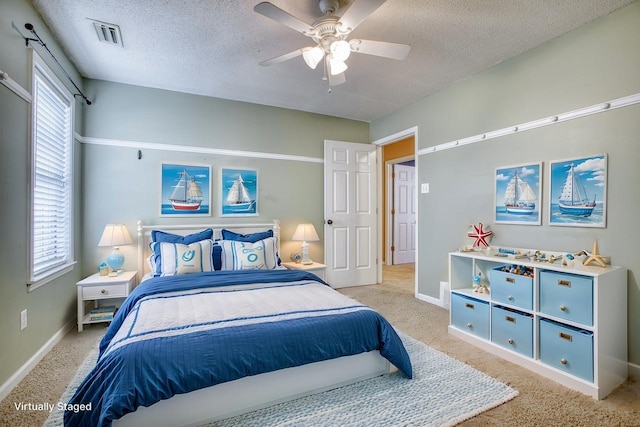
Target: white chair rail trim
546,121
138,145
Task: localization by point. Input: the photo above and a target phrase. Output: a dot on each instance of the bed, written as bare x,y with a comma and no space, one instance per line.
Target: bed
207,334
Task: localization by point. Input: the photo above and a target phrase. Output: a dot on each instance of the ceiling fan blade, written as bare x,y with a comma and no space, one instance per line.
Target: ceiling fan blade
279,15
282,58
358,12
383,49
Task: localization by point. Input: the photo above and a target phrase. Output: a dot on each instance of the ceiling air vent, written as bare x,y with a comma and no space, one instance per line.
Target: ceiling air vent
108,33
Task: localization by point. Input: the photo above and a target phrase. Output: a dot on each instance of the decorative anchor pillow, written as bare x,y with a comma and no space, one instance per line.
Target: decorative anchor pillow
260,255
158,237
178,258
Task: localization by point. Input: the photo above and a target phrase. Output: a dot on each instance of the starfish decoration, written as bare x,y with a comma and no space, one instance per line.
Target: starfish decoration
594,256
480,235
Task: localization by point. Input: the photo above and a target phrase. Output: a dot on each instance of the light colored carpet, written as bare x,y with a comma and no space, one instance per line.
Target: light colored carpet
443,392
56,417
50,378
541,402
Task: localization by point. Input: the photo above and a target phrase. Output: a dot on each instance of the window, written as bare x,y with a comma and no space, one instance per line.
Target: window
51,231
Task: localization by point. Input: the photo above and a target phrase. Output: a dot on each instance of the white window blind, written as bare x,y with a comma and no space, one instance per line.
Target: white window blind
51,178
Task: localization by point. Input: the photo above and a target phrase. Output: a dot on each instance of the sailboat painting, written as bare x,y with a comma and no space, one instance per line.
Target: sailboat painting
185,190
239,192
517,194
578,192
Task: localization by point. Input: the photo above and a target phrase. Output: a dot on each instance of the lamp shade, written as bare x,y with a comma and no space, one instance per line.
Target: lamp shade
115,235
340,50
305,233
312,56
336,66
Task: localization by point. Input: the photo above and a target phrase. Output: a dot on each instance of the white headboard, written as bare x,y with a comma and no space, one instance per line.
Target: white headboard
144,235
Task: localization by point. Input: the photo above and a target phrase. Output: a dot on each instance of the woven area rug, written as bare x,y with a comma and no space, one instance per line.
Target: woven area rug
443,392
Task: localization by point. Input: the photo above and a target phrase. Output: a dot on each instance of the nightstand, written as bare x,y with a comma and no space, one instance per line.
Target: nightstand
96,287
316,268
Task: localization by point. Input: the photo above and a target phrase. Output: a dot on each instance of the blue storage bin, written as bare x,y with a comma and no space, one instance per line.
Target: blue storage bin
512,329
470,315
567,296
512,289
567,348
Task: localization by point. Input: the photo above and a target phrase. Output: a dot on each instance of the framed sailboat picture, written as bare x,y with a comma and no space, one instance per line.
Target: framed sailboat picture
239,192
185,190
518,194
578,192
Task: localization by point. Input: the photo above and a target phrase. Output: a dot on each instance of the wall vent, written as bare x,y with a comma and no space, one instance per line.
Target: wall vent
108,33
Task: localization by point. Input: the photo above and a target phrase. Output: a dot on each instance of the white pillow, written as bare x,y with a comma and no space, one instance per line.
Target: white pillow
178,258
261,255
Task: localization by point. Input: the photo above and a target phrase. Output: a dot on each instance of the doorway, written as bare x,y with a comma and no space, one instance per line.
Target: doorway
401,221
396,150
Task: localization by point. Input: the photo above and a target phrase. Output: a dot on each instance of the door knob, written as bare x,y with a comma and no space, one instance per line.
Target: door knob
329,222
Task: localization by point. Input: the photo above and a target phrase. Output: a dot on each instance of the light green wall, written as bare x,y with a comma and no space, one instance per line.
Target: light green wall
595,63
120,188
52,306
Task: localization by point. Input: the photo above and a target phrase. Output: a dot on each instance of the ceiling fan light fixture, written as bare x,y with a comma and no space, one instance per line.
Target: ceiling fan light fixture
340,50
312,56
336,66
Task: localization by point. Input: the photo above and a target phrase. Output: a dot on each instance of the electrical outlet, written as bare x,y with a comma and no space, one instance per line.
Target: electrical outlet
424,188
23,319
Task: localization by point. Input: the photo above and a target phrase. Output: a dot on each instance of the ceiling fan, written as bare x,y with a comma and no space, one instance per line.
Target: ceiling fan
331,36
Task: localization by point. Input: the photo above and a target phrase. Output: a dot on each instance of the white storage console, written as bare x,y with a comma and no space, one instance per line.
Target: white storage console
565,322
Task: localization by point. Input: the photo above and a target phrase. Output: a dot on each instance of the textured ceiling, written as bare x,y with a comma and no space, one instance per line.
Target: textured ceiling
213,47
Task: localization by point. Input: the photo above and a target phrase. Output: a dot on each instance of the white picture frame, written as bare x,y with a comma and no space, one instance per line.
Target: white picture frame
586,179
238,192
185,189
518,194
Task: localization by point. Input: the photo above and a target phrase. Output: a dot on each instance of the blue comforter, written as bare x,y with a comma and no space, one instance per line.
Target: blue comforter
142,363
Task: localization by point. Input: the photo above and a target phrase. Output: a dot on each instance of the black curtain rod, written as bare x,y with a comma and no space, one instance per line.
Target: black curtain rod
43,44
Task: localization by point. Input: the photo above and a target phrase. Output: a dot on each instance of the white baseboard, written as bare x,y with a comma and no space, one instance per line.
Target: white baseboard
19,375
430,300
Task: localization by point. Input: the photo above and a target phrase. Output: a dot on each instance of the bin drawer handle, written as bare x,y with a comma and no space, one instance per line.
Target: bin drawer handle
468,305
510,319
565,336
565,283
510,280
563,361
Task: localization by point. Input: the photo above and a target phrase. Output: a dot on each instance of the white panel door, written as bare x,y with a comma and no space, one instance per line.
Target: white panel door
350,196
404,218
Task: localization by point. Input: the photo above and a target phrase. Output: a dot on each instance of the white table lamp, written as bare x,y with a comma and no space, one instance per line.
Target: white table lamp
305,233
115,235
